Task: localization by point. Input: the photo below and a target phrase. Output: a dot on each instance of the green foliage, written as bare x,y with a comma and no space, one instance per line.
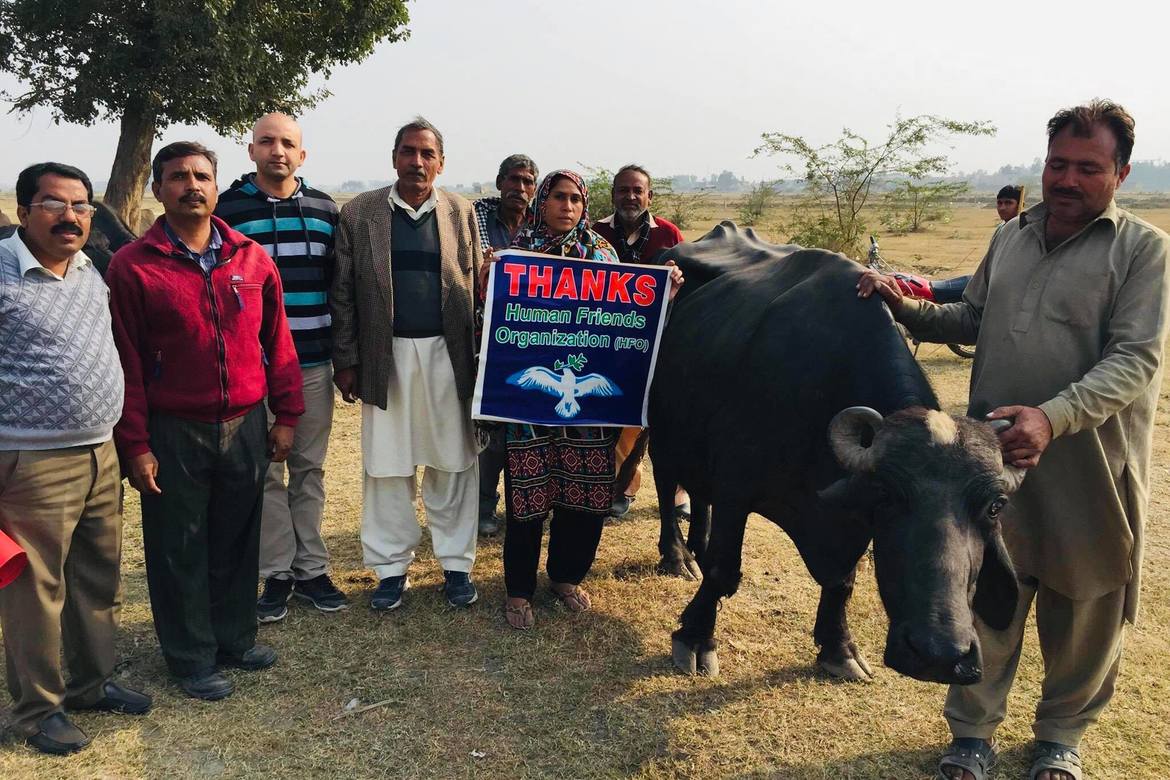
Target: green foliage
911,205
755,204
223,62
600,184
840,176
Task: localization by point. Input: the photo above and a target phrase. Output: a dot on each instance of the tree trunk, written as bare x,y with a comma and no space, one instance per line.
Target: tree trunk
131,168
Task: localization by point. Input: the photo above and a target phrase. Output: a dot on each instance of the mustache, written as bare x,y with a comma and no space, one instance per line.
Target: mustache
1064,191
193,197
66,228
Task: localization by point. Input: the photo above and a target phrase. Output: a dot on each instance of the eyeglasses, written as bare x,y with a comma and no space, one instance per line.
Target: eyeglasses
57,208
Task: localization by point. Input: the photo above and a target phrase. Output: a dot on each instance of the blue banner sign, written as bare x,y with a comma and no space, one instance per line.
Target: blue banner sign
569,342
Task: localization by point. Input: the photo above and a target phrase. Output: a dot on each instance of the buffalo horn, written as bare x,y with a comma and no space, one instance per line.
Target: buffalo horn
845,436
1012,477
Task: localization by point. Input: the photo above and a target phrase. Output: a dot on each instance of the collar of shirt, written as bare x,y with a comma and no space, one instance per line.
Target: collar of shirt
208,258
612,220
1035,216
28,261
298,193
411,211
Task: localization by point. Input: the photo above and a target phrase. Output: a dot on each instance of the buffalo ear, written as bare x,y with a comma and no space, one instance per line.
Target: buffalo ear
996,588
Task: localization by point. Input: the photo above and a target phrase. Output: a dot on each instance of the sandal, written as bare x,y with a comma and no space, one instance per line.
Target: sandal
1055,757
519,616
969,754
574,597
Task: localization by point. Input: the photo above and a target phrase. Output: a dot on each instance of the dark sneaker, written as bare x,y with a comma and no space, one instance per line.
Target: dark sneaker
321,593
620,506
208,686
254,659
388,594
57,736
117,699
458,589
272,604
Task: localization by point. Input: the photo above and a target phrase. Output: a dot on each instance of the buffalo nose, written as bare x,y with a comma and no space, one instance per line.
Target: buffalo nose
952,659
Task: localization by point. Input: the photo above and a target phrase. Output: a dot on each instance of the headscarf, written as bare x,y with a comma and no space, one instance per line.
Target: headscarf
580,241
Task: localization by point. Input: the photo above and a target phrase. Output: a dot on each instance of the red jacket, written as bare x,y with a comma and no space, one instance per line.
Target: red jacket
205,347
663,235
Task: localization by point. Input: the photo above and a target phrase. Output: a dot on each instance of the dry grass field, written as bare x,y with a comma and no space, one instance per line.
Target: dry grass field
459,694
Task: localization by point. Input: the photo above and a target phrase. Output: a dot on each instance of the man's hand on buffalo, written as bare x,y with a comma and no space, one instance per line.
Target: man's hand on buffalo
885,286
1027,438
676,278
346,381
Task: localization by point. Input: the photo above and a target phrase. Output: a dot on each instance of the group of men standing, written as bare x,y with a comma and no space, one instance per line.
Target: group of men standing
212,365
203,369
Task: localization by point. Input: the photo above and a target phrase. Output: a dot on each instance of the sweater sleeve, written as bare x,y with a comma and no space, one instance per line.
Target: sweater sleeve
131,436
283,371
1135,337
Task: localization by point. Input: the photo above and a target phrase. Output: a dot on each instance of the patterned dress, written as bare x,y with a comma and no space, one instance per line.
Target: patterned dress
569,466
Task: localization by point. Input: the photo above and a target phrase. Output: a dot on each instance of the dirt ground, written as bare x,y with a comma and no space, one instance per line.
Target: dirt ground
458,694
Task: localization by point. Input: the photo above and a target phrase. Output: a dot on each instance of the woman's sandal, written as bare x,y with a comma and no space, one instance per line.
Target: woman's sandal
519,616
1055,757
969,754
574,597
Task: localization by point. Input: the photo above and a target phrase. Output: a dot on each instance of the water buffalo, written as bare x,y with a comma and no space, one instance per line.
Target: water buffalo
779,392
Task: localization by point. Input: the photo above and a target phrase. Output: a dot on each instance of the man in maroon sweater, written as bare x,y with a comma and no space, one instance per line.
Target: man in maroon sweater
638,237
635,233
200,326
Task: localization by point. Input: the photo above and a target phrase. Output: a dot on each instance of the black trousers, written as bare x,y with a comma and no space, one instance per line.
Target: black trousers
572,545
201,536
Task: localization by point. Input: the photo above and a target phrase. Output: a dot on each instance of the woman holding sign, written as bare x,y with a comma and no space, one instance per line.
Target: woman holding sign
566,470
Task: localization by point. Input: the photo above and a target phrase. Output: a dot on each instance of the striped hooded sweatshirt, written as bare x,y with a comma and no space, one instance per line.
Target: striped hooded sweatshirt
297,232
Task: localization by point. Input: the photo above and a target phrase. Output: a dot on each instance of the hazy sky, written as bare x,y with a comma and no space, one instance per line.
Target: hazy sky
687,86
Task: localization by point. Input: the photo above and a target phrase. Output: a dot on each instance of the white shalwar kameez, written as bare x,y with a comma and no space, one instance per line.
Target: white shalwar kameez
425,424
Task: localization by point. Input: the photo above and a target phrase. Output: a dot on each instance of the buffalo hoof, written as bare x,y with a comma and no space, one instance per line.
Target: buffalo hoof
690,660
683,564
850,668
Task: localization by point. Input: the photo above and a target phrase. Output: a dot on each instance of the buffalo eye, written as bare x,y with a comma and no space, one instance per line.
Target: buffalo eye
996,507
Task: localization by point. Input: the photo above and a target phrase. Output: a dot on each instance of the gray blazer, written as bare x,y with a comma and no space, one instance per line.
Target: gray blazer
361,299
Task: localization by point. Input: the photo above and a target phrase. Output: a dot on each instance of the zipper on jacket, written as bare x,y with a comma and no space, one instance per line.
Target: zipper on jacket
221,346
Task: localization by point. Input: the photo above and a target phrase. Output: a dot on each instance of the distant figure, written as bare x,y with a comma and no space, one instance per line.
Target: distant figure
295,224
199,322
1009,201
403,303
638,236
499,220
60,485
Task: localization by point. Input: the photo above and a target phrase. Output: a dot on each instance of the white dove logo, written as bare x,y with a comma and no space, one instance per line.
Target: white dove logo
567,385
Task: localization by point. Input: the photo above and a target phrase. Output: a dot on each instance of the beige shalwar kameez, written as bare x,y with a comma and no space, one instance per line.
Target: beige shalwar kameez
1077,330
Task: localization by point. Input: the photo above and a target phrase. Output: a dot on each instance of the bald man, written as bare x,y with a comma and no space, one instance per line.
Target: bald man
295,224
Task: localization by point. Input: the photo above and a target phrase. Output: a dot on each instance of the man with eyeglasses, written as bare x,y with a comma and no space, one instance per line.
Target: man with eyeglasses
61,389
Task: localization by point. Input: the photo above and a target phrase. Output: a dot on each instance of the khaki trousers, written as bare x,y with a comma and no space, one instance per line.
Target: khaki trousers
63,507
1081,645
290,528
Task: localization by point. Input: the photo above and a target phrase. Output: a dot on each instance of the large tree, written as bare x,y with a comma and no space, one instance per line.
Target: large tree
840,176
150,63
